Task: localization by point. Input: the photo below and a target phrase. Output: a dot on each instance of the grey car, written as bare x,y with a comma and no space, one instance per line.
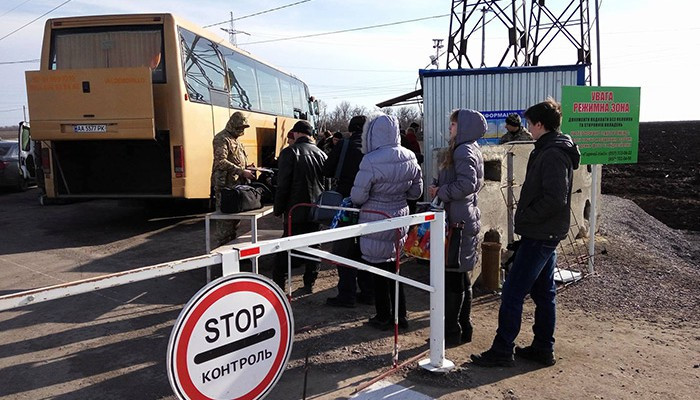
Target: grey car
11,174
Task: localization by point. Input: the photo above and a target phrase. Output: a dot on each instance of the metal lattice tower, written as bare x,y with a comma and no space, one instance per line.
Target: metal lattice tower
524,46
573,23
471,17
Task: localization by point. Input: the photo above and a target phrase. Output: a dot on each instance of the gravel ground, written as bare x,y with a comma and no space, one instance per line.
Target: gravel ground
646,270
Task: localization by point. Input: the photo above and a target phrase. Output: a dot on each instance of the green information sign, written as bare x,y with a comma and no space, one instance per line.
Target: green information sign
603,121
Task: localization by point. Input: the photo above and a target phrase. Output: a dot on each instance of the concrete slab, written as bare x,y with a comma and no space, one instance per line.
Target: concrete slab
386,390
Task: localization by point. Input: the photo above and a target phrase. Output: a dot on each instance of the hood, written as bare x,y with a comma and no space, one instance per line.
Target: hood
380,131
563,142
471,125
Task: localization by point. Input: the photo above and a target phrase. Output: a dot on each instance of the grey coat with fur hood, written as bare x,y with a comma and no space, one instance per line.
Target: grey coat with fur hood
460,183
389,174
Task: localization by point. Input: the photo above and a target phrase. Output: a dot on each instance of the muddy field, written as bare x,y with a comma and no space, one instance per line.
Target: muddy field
666,180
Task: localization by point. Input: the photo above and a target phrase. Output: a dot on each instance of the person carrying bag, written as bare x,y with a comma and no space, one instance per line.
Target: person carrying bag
460,179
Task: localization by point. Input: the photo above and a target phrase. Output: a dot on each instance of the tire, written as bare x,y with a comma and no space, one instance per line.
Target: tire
22,185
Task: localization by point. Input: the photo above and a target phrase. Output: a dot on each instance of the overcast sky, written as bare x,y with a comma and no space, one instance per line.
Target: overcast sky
644,43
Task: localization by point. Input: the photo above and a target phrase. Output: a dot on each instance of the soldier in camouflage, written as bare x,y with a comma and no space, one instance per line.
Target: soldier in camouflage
516,130
229,170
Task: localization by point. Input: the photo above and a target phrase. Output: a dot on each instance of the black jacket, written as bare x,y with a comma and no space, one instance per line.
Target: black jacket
543,211
300,178
351,165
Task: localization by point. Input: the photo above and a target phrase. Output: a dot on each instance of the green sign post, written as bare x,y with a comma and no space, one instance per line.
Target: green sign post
603,122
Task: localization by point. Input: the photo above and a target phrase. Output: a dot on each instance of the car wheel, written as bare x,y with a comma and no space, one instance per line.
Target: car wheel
22,185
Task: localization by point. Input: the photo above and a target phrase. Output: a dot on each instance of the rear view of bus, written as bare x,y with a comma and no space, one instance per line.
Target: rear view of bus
118,107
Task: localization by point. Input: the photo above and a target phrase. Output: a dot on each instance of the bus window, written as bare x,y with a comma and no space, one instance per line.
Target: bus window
270,98
287,100
244,85
299,97
203,67
109,47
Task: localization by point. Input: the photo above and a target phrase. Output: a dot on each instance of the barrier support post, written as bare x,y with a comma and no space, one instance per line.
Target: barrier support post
437,361
230,262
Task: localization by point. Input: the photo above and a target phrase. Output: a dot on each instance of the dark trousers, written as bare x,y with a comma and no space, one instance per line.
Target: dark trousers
349,279
532,272
279,273
384,293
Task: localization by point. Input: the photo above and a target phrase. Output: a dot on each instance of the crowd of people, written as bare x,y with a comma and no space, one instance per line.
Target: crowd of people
377,168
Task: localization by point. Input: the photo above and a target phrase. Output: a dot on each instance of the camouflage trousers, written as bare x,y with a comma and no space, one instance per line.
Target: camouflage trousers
224,230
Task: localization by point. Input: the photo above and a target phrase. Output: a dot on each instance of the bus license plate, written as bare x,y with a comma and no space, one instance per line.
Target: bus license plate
89,128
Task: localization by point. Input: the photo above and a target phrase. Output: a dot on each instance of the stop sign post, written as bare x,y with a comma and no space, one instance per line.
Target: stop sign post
232,340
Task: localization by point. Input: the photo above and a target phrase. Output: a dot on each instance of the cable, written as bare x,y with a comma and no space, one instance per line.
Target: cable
37,18
257,13
14,8
20,62
350,30
11,110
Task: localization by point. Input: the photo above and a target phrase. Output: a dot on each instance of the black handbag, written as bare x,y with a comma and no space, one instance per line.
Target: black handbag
240,198
330,197
453,245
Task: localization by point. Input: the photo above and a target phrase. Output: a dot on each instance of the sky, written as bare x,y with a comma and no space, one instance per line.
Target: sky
643,44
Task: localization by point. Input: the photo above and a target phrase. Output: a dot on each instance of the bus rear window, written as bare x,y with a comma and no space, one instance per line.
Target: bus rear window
109,47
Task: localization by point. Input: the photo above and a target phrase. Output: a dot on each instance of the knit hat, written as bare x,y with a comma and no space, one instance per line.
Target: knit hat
513,120
338,135
303,127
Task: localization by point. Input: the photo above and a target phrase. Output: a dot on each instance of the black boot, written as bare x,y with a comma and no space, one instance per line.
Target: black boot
465,315
453,331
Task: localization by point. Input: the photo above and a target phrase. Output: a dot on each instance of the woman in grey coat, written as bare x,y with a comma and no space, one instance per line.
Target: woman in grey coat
389,175
460,178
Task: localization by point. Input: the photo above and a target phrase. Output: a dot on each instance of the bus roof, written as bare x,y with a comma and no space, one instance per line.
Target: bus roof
121,19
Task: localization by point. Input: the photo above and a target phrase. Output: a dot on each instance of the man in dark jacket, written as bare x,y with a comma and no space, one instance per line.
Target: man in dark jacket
349,279
541,220
300,180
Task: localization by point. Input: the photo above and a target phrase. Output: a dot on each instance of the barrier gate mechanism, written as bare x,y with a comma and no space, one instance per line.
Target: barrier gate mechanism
300,243
230,259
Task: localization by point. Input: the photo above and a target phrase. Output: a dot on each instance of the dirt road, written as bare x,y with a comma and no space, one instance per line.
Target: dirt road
111,344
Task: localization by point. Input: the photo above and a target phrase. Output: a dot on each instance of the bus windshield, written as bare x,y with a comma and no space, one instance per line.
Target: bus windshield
109,47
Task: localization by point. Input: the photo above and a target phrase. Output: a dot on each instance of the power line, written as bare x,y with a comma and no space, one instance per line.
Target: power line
257,13
20,62
349,30
15,7
37,18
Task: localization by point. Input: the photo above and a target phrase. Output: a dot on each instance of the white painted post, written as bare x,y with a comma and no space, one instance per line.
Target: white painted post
594,214
230,263
437,361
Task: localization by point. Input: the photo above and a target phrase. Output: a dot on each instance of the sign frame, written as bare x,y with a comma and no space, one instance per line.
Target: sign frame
603,121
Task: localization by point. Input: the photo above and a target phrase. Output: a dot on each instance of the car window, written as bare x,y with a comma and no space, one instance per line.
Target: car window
8,149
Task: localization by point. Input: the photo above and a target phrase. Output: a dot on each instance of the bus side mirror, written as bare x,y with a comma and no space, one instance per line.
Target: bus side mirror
315,107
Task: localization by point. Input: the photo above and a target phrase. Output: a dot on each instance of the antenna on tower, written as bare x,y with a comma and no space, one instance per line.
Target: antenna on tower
232,31
437,45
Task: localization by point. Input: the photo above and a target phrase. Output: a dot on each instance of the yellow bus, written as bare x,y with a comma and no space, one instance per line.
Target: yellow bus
126,106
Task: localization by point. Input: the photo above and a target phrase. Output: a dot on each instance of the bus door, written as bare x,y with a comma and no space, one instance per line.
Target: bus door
283,125
98,126
86,104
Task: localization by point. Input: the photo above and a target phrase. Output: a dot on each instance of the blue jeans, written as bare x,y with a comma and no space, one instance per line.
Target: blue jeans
532,272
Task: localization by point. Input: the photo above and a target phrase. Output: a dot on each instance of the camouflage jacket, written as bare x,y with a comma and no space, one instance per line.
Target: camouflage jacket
229,161
519,135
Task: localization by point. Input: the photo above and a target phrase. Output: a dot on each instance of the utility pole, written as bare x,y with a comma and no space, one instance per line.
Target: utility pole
437,45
